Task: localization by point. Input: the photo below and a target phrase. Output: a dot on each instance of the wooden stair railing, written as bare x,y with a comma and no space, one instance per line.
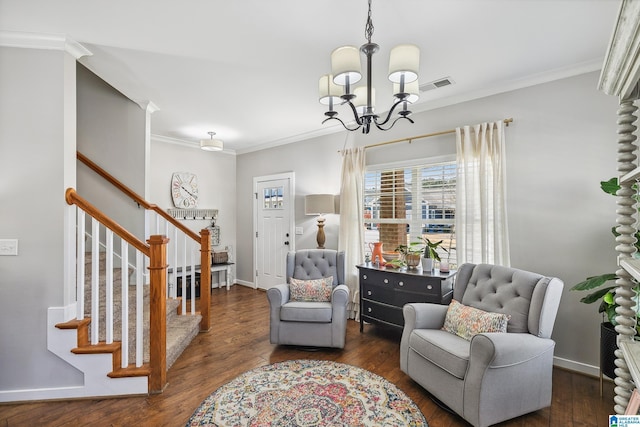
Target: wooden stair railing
155,250
204,239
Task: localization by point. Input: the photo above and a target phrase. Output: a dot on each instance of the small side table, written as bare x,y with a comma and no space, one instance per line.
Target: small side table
217,268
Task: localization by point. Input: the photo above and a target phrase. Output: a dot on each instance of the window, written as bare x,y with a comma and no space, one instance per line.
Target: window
273,198
404,203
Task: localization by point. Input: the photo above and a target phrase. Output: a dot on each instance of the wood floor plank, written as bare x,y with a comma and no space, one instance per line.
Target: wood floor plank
239,341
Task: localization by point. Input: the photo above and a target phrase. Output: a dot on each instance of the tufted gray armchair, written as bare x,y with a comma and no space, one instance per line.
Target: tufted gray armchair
495,376
303,323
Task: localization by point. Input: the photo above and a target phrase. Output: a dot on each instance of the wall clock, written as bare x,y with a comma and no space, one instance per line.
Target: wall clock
184,190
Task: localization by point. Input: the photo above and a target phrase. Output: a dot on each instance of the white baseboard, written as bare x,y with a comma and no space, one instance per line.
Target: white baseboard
572,365
245,283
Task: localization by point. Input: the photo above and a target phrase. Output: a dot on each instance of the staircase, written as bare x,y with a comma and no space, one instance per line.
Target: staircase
180,329
88,331
101,362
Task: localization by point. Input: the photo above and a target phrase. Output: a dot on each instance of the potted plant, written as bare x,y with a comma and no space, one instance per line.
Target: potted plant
411,253
430,253
603,291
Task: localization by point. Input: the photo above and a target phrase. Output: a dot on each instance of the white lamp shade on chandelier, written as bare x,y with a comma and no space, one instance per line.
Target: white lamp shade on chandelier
404,64
211,144
361,100
413,89
345,65
328,90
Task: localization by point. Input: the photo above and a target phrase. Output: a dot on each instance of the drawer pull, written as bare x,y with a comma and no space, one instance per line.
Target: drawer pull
364,276
401,283
429,287
369,292
386,280
369,310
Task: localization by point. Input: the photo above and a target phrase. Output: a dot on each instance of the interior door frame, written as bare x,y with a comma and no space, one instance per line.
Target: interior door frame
290,176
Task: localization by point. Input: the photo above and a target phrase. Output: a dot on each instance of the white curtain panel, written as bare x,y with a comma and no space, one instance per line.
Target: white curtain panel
351,236
482,234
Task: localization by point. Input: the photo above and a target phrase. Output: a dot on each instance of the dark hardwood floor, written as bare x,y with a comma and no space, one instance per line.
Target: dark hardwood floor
239,341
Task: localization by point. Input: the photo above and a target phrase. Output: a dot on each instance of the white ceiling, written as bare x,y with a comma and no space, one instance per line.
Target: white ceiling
249,69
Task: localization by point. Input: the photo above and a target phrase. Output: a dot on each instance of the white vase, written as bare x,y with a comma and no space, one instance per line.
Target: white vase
427,264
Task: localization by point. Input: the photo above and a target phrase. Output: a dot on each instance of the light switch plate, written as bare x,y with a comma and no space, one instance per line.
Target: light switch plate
8,247
299,230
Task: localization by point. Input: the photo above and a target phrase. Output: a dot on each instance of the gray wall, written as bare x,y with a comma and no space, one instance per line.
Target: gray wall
561,145
216,185
37,164
111,132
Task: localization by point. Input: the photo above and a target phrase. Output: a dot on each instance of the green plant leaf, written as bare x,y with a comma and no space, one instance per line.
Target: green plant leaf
610,311
611,186
597,295
594,282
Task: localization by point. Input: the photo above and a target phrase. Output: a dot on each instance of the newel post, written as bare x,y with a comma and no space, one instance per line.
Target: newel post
158,313
205,279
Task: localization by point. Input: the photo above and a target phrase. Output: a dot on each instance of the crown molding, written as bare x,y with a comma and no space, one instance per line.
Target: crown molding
148,106
43,41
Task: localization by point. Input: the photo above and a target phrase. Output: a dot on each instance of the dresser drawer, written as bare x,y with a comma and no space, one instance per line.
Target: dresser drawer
385,312
431,286
378,293
403,297
374,277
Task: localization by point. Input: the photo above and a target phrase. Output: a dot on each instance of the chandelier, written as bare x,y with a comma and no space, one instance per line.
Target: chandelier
336,88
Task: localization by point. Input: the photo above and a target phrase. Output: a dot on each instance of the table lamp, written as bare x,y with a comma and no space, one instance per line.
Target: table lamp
319,204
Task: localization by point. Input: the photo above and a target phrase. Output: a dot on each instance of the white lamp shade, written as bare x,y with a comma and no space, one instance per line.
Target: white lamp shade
404,60
211,144
345,62
319,204
328,90
413,89
360,101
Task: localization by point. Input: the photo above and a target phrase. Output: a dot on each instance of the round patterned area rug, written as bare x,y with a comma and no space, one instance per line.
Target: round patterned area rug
308,393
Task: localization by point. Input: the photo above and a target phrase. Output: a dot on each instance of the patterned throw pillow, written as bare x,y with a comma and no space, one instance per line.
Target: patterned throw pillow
318,290
466,321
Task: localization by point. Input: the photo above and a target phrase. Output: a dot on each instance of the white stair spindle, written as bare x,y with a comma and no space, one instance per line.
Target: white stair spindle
140,284
193,275
95,272
124,272
80,279
109,286
184,275
174,239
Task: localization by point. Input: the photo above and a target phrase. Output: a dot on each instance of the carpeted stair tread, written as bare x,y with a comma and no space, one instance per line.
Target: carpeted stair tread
180,329
180,332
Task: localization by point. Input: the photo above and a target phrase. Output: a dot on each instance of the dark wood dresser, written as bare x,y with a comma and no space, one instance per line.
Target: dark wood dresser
384,291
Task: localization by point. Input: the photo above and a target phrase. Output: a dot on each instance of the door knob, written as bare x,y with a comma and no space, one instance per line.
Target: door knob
286,243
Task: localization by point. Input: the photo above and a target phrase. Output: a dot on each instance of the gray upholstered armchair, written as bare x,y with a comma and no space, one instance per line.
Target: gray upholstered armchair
493,376
310,323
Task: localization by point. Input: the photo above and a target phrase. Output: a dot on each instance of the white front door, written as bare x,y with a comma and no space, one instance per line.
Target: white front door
273,215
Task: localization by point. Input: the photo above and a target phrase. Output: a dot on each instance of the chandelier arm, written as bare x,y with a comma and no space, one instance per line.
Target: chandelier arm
344,125
357,118
391,110
379,126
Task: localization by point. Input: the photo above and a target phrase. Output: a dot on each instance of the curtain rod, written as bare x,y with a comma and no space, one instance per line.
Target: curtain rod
427,135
